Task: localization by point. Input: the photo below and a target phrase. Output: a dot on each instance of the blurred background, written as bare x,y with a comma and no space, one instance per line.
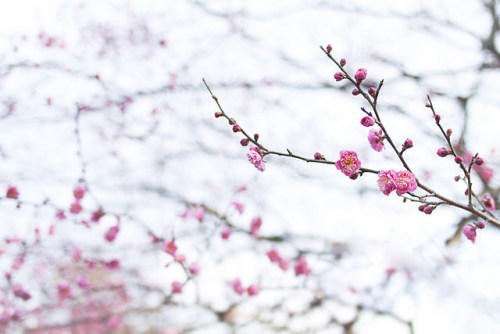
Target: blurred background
108,96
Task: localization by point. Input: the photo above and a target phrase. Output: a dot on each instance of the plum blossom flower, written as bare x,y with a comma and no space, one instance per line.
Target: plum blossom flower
253,289
386,181
226,233
75,207
237,286
170,247
198,213
376,139
194,269
255,158
255,225
79,191
110,235
405,182
469,231
240,207
273,255
301,267
348,163
177,287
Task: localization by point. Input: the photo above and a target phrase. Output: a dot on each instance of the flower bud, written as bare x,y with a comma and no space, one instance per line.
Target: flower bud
457,178
354,176
458,159
232,121
480,225
339,76
236,128
244,141
422,207
328,48
408,144
437,118
367,121
448,133
428,209
256,137
372,91
218,114
360,75
442,152
319,156
355,92
427,105
342,62
479,161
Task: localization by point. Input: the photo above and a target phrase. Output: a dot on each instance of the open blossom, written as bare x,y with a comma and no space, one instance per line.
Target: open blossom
170,247
405,182
386,181
79,191
348,163
255,158
177,287
469,231
376,139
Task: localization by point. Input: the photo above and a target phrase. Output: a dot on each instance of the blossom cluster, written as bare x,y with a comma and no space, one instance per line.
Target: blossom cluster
402,181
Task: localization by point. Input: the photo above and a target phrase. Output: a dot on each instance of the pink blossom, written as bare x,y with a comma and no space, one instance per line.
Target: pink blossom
110,235
198,212
253,289
237,286
255,158
194,269
255,225
63,291
301,267
240,207
283,264
442,152
367,121
348,163
177,287
405,182
83,282
79,191
170,247
339,76
469,231
12,192
360,75
226,233
376,139
75,208
489,202
273,255
179,258
60,215
76,254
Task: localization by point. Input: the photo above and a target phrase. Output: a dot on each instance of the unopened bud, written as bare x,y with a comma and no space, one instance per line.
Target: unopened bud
328,48
458,159
218,114
480,225
214,97
319,156
437,118
427,105
232,121
355,91
256,137
428,209
236,128
449,132
354,176
479,161
442,152
343,62
422,207
408,144
372,91
457,178
244,141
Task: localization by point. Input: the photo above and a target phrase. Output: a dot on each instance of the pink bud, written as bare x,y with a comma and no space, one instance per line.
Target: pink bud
343,62
179,258
480,225
244,141
75,207
408,144
79,191
319,156
236,128
367,121
12,192
360,75
328,48
442,152
355,92
469,231
240,207
428,209
194,269
372,91
458,159
422,207
489,202
177,287
218,114
449,132
256,137
479,161
110,235
253,289
237,286
225,233
301,267
437,118
339,76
